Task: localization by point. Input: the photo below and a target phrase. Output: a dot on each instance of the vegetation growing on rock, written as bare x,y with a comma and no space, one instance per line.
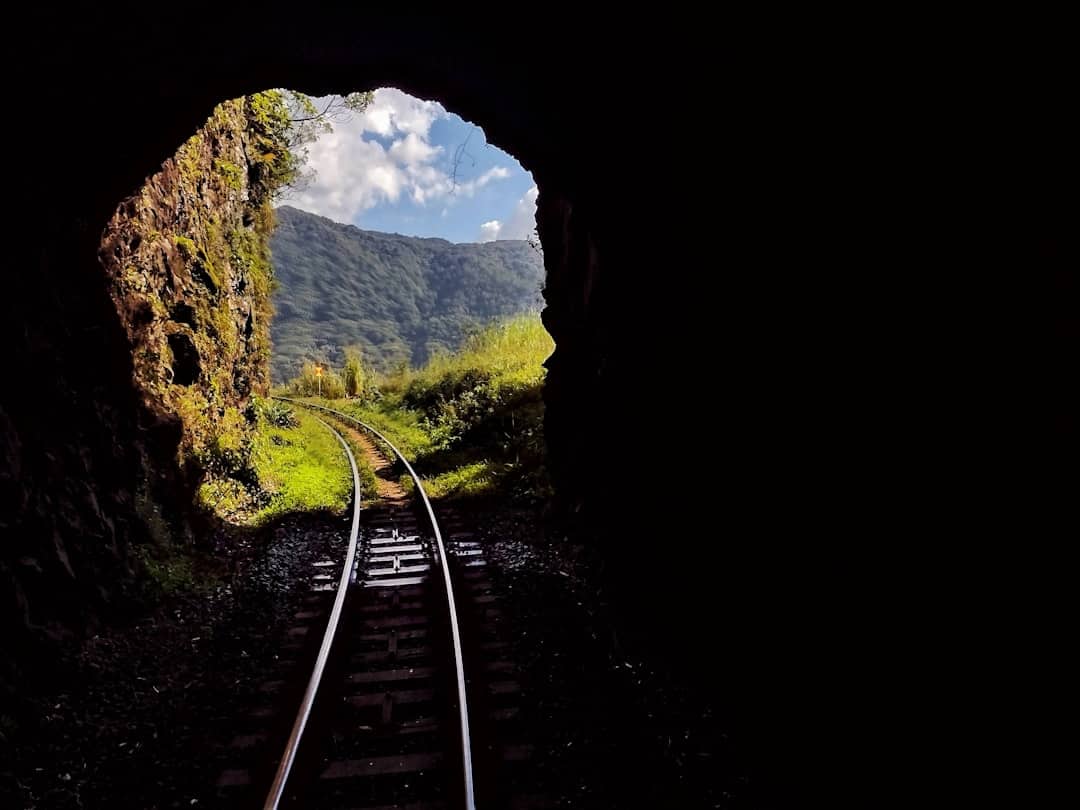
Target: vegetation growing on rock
190,275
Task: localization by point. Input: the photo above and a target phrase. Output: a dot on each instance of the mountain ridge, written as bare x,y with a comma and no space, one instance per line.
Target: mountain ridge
400,298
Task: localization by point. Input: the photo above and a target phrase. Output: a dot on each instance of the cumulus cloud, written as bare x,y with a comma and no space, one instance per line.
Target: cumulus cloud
489,231
494,173
522,221
392,112
356,172
413,150
519,225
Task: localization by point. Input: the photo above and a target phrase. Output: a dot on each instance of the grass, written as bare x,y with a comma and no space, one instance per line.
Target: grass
172,570
465,481
470,422
303,469
292,464
511,352
299,468
401,426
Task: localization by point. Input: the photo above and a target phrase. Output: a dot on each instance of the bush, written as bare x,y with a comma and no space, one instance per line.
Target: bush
229,453
309,384
353,373
278,414
473,420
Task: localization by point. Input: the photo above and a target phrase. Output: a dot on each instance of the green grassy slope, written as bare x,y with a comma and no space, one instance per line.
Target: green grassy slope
473,421
295,465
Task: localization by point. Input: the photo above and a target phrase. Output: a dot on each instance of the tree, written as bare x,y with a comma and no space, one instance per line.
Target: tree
274,165
353,373
308,121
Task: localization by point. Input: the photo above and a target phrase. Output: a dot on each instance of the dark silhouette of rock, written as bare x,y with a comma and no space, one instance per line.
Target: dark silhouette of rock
732,215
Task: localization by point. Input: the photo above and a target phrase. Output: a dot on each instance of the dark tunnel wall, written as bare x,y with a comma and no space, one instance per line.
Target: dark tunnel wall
733,391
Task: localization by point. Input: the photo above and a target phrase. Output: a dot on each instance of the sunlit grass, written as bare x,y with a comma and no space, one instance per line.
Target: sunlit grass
299,469
401,426
469,480
471,422
511,352
302,469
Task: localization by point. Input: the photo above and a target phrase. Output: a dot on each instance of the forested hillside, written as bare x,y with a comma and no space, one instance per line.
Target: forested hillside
400,298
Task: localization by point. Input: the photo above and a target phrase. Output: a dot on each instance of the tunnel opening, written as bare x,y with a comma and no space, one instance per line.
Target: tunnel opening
248,238
195,249
204,269
776,289
196,278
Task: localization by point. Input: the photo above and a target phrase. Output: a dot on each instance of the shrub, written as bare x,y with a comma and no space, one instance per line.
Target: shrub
278,414
353,374
473,420
309,384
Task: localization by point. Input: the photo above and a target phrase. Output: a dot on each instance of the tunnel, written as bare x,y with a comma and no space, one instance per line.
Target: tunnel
737,398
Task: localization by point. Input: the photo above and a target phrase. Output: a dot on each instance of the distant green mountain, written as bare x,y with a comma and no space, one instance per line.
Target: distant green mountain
400,298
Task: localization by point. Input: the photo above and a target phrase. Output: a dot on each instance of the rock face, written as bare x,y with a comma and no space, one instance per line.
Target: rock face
189,273
138,373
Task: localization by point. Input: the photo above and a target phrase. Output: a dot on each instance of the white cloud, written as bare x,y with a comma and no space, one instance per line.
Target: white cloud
494,173
392,111
353,175
522,220
355,172
519,225
489,231
413,150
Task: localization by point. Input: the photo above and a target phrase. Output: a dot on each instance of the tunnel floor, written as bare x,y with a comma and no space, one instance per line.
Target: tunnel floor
144,716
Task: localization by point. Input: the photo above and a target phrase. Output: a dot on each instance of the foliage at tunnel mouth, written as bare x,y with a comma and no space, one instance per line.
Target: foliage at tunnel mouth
471,421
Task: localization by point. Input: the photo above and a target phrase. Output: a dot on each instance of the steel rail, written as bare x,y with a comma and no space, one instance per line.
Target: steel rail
282,775
466,744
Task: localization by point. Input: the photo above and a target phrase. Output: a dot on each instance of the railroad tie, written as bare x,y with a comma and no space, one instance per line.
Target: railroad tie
387,708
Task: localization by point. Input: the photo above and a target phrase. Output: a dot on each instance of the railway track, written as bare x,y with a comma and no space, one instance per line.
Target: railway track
411,700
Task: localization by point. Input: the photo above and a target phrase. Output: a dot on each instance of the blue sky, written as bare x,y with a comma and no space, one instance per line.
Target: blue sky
391,168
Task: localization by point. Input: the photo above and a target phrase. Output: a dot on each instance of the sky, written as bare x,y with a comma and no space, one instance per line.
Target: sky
391,169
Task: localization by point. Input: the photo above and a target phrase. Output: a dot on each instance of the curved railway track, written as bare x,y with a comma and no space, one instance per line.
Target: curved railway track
396,662
383,717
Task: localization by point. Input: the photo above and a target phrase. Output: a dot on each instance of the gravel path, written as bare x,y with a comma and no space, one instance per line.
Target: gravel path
386,486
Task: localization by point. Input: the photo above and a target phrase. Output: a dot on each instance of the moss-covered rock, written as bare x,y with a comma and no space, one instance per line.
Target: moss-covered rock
190,276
